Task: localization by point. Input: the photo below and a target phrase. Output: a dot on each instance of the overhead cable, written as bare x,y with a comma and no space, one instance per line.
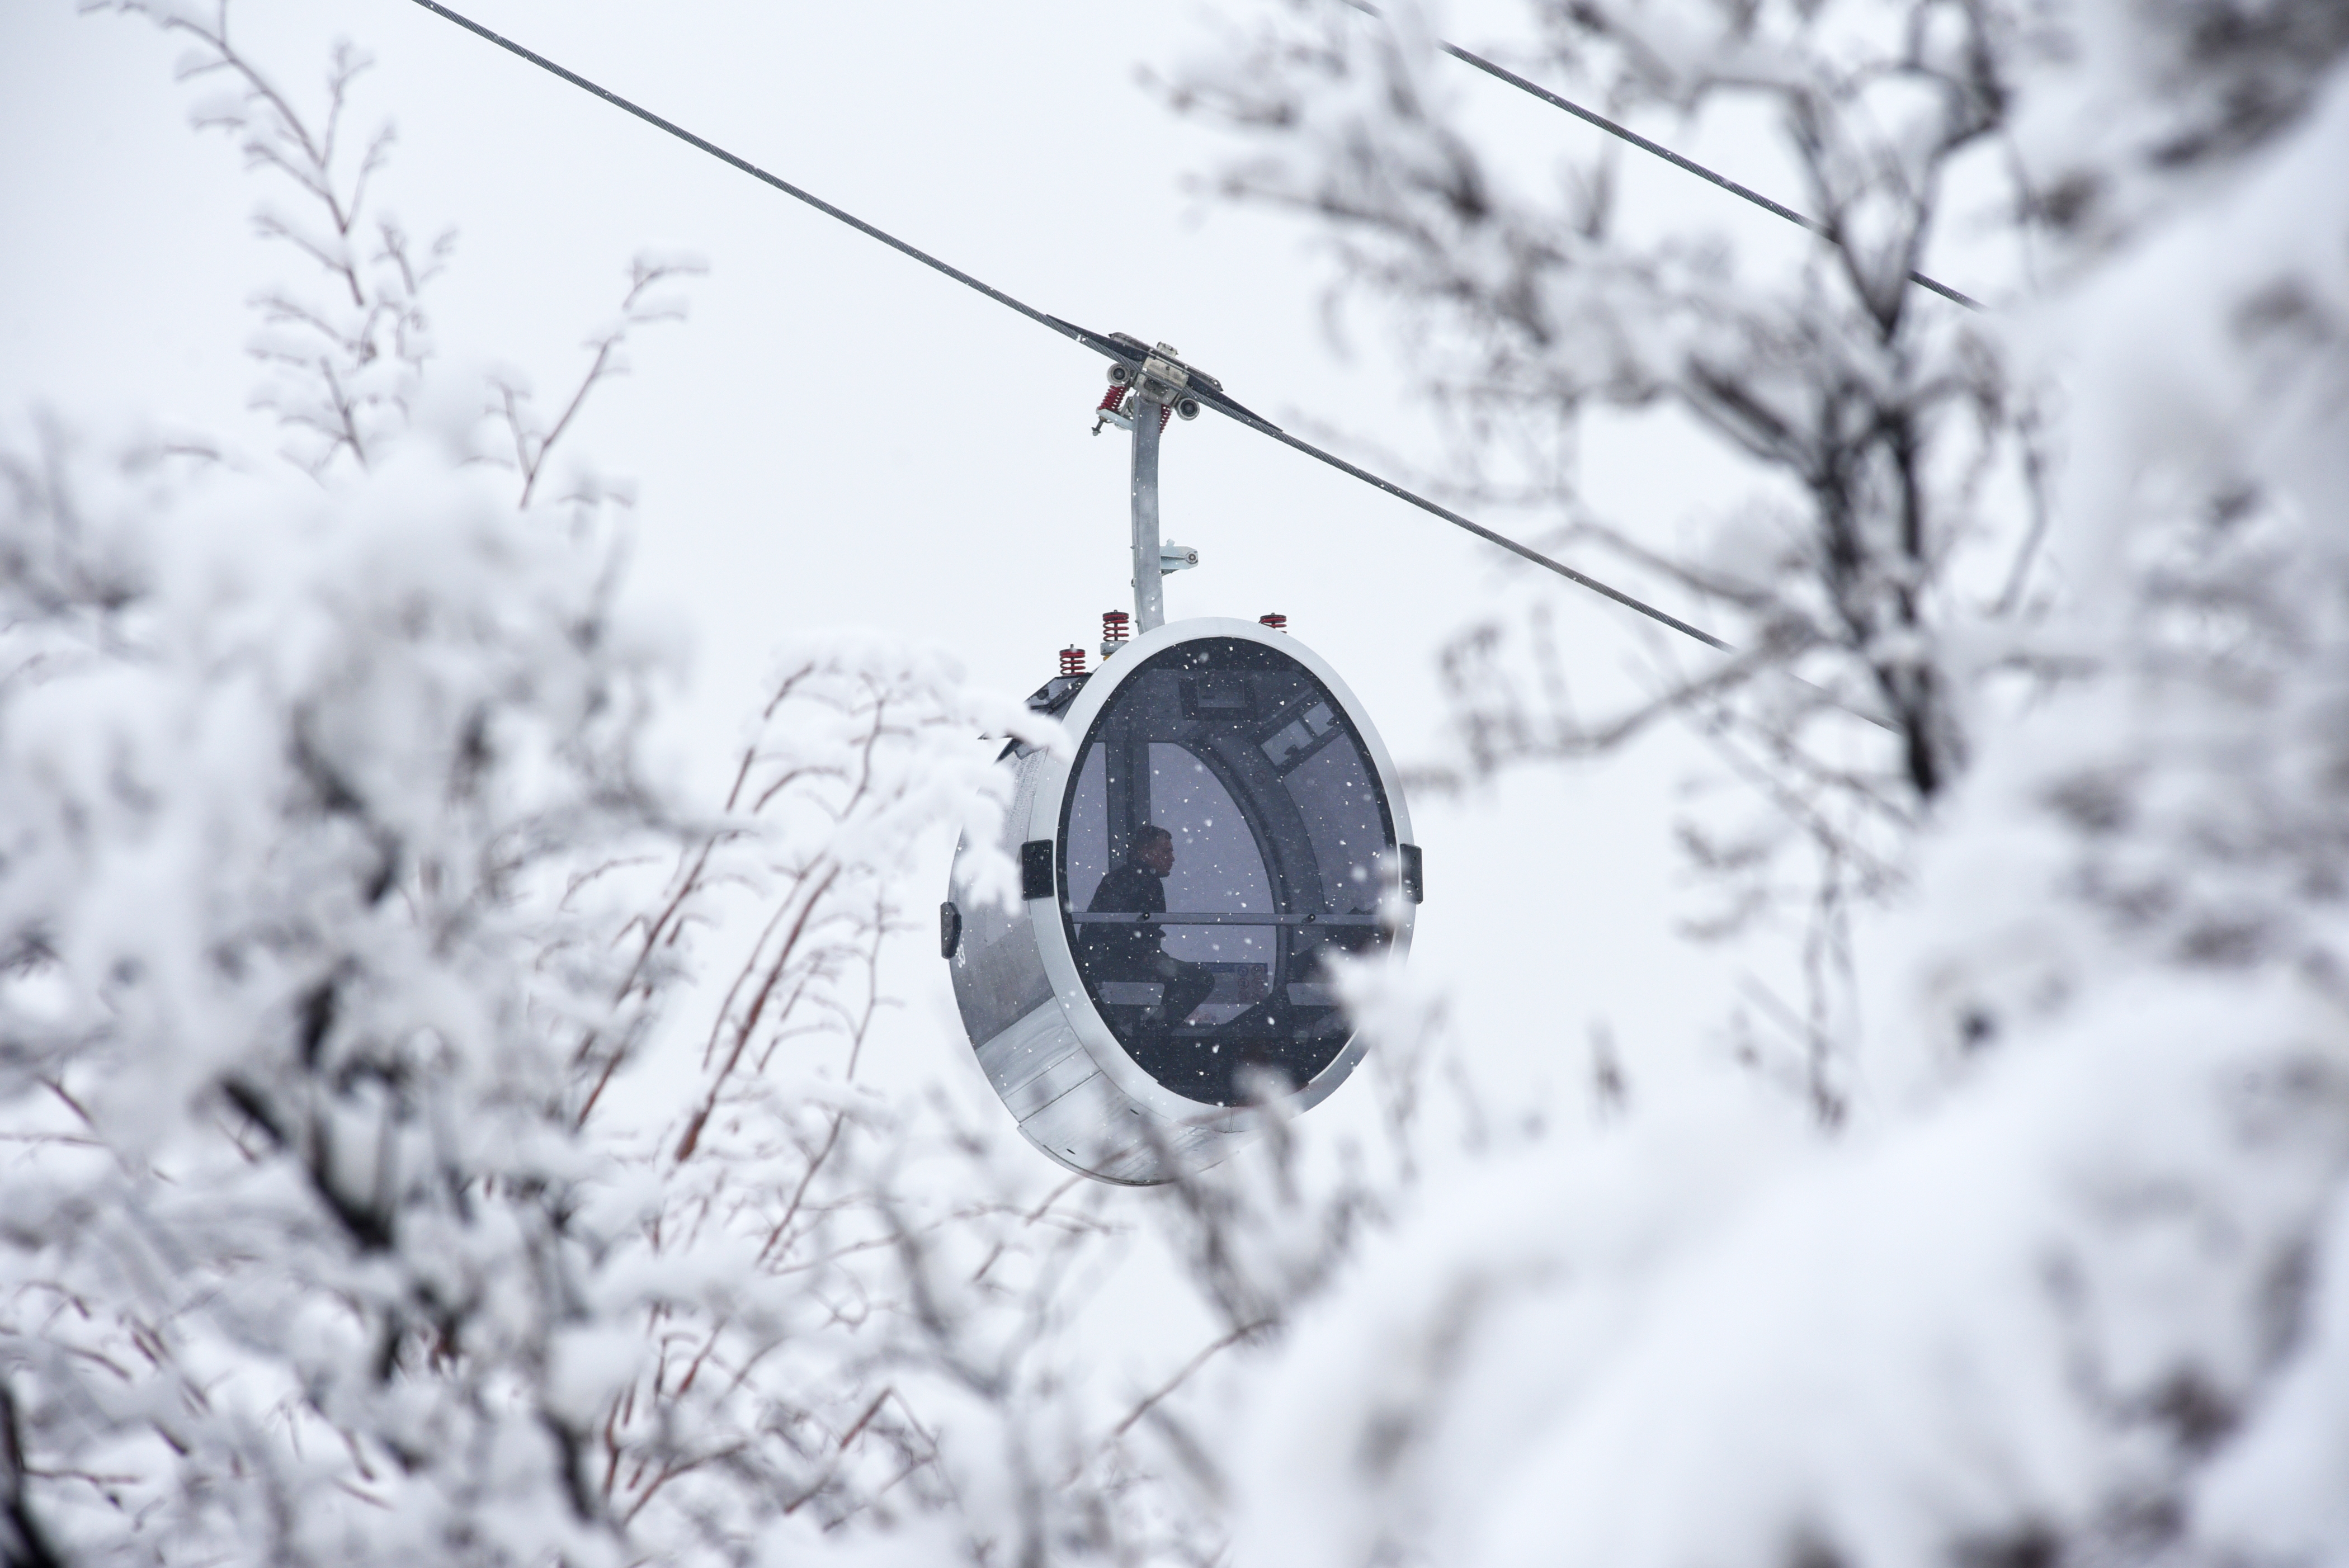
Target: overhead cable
1591,117
1100,342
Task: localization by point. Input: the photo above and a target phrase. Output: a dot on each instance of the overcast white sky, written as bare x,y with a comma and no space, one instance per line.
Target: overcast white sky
840,437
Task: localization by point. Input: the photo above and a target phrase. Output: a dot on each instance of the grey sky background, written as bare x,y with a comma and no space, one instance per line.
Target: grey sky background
838,436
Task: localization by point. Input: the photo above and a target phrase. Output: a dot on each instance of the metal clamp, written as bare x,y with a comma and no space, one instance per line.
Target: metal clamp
1163,373
1166,379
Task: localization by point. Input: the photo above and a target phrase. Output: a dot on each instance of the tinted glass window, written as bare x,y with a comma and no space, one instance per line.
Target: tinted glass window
1223,832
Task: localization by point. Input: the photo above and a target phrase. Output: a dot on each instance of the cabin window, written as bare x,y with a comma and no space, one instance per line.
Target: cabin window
1224,834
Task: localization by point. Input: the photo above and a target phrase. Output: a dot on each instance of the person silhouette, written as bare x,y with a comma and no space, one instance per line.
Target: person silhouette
1135,952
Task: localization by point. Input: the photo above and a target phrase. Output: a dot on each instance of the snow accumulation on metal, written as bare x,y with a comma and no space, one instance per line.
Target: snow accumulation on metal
1229,820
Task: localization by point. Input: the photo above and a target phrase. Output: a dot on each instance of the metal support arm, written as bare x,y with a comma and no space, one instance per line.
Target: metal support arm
1149,590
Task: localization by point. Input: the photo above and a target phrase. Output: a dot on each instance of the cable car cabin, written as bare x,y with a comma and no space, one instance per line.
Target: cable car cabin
1230,820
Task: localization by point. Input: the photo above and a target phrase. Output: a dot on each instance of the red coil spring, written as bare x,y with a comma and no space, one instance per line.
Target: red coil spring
1276,622
1116,625
1072,661
1114,400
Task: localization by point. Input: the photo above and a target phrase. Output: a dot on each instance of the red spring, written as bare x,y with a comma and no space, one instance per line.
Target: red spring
1072,661
1276,622
1165,412
1116,625
1111,400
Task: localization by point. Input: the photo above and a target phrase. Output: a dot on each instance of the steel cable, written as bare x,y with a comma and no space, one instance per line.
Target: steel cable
1591,117
1100,342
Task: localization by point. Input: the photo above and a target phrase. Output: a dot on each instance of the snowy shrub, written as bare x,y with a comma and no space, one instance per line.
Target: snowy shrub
304,773
833,1258
323,912
294,786
2065,1283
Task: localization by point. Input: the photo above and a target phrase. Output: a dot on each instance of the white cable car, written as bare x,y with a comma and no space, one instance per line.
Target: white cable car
1229,819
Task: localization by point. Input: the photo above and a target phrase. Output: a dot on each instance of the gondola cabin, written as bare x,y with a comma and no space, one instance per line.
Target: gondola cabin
1229,820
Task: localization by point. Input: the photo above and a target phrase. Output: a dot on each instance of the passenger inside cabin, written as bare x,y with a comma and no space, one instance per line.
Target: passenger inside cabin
1121,951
